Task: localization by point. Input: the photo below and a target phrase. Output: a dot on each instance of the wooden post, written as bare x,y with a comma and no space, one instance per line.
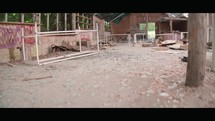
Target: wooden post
213,42
73,21
5,17
170,25
208,27
197,31
47,22
65,23
159,27
78,20
57,20
23,18
147,20
82,20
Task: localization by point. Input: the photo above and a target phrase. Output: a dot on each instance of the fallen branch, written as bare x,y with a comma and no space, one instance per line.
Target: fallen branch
37,78
9,64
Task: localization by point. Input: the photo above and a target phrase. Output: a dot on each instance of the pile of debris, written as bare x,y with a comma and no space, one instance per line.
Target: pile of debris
105,45
65,46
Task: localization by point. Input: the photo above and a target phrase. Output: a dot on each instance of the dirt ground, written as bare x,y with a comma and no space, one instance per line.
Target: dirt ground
121,76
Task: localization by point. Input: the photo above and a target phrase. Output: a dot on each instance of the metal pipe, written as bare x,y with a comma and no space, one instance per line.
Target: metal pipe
68,58
79,38
78,31
50,35
64,56
118,34
117,17
165,34
97,36
36,42
23,45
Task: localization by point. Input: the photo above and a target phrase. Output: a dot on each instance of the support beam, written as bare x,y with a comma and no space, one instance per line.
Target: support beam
170,25
47,22
197,31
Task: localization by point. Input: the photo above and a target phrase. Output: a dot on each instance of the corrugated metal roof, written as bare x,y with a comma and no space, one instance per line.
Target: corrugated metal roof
177,15
115,17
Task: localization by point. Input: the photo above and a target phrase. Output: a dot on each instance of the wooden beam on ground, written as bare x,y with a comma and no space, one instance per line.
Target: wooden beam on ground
197,31
28,79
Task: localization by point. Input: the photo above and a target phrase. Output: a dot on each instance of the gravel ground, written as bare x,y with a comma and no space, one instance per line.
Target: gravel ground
121,76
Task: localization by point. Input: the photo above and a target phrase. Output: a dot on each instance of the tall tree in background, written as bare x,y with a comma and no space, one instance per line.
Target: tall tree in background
197,35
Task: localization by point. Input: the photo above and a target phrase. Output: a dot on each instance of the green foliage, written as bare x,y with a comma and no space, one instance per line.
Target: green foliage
1,17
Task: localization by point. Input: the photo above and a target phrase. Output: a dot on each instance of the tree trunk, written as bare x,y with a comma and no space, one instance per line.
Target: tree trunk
72,20
213,42
197,36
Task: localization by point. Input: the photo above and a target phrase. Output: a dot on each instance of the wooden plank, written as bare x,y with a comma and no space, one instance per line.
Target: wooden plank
28,79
